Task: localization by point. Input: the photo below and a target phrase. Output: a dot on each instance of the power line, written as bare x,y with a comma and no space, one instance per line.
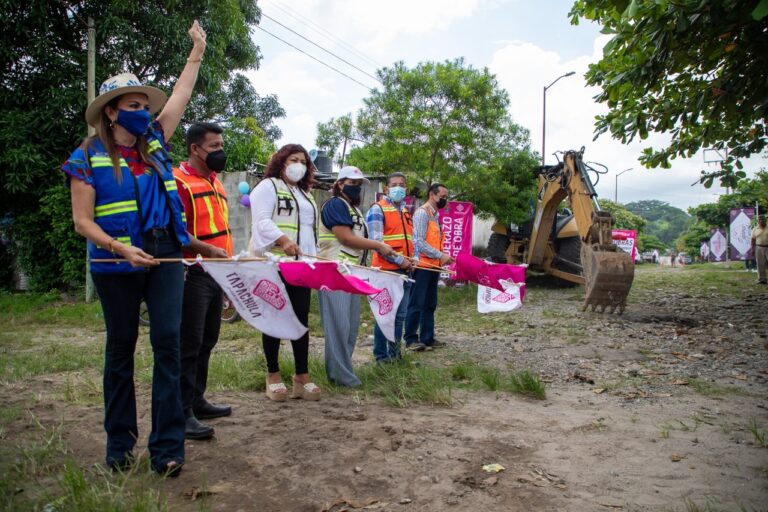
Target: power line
324,49
320,30
312,57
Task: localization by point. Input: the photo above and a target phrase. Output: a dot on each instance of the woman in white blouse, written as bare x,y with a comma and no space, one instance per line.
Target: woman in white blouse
285,223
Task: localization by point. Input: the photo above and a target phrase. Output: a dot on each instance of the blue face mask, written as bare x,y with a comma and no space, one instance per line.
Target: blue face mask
135,121
397,194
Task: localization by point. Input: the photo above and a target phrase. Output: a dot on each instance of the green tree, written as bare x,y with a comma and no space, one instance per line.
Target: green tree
43,93
446,122
663,220
692,68
748,192
646,242
340,131
622,217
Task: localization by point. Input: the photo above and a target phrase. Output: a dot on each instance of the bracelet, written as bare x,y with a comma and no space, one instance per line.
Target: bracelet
109,246
195,60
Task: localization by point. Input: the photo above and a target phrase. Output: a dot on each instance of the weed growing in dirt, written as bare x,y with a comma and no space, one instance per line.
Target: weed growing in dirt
82,390
707,388
760,434
527,384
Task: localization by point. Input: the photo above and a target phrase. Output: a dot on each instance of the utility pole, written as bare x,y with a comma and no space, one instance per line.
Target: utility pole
90,293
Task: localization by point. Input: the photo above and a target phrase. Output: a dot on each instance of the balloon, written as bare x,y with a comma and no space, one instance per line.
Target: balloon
312,154
245,201
243,187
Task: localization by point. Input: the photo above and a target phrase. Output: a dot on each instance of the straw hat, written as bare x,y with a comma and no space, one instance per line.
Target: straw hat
118,85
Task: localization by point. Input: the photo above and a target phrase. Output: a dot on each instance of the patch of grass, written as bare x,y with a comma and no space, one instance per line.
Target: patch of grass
527,384
49,358
39,472
402,384
17,309
760,434
491,378
707,388
82,390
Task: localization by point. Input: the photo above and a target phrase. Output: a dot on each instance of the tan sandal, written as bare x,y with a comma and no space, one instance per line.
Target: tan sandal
277,392
308,391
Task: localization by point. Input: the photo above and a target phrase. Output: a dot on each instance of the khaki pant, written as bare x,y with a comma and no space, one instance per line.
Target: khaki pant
761,255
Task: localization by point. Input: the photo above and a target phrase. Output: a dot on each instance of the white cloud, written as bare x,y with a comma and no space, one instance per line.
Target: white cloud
523,69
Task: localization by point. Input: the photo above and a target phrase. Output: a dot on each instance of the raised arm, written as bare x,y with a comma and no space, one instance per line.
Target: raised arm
170,117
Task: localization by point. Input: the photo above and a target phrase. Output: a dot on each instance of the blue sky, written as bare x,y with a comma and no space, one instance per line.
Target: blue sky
526,44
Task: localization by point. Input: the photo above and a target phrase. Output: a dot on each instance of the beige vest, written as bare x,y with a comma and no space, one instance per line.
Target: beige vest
330,247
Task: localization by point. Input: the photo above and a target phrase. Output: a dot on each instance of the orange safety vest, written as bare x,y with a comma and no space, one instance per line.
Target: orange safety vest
208,221
398,232
434,239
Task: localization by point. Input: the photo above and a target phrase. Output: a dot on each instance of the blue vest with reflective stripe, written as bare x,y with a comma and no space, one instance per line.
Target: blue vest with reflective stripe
117,210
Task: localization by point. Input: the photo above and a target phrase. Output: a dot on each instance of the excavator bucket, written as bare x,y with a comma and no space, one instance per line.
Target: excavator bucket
608,275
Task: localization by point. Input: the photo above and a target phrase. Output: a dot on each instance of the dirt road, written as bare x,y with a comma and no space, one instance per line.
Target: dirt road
660,409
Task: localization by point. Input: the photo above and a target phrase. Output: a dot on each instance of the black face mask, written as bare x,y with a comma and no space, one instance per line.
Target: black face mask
441,203
216,160
352,191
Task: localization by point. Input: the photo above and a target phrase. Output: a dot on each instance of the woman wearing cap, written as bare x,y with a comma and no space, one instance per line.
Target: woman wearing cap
343,237
124,201
285,224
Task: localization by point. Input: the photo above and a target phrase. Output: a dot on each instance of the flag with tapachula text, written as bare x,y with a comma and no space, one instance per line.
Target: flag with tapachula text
385,303
258,294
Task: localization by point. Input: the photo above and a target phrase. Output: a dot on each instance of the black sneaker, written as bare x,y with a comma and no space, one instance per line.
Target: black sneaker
438,344
193,429
416,347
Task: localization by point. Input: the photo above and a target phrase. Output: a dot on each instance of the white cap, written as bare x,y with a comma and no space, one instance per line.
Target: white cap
351,172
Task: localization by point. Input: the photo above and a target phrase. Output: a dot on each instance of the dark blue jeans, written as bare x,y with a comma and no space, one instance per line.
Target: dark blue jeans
200,326
162,288
383,349
420,318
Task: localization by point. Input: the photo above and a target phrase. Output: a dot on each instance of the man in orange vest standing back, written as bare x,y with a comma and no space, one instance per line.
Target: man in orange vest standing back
428,250
205,205
389,222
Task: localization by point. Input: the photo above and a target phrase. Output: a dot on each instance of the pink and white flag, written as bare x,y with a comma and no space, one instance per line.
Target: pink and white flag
257,292
324,276
485,273
491,300
385,303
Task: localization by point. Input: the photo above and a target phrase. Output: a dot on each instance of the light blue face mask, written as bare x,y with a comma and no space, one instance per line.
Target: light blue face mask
397,194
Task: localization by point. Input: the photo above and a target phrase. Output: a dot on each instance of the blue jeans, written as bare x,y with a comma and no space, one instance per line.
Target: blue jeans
162,288
420,318
383,349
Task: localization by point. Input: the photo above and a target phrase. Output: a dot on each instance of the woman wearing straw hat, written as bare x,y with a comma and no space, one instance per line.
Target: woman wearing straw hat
124,201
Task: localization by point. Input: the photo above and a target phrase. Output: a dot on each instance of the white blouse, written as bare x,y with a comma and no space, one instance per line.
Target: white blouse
264,232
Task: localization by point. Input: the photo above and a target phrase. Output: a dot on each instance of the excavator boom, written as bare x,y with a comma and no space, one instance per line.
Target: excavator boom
605,270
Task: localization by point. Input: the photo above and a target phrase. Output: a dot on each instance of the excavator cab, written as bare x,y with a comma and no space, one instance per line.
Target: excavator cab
573,244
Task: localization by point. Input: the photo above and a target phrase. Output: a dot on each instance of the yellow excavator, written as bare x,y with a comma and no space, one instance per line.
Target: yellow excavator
576,244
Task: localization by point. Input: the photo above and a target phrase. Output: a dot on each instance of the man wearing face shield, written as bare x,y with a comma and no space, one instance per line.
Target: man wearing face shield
207,214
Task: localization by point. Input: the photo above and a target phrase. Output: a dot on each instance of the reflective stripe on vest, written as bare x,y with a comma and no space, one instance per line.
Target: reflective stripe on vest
210,212
286,214
434,238
397,231
330,247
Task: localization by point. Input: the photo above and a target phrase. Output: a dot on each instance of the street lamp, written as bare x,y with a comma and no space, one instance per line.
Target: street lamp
544,114
616,189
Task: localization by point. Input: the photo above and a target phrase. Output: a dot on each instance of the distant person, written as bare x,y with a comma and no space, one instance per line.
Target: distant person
390,222
428,245
760,248
125,202
655,256
343,237
207,211
284,222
